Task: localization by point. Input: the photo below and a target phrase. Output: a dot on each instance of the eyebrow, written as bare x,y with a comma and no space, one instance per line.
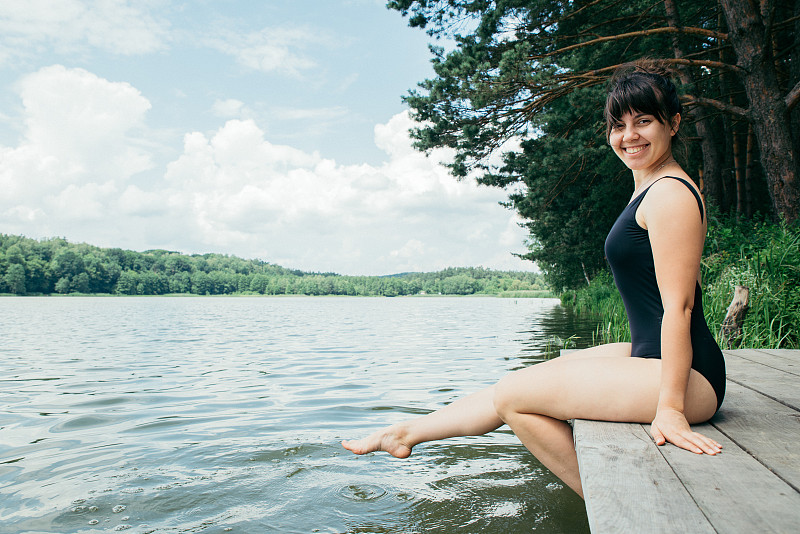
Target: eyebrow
637,116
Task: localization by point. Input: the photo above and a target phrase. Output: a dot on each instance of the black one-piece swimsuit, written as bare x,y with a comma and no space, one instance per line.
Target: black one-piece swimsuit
631,258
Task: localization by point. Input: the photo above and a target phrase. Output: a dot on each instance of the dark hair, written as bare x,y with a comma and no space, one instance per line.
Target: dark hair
643,86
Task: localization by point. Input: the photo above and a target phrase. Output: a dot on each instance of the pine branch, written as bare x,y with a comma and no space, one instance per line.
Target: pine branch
704,63
785,23
793,96
643,33
722,106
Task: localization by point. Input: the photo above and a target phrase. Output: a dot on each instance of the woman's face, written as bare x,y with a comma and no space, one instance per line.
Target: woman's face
641,141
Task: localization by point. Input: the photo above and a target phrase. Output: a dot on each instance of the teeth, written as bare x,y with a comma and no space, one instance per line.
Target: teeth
633,149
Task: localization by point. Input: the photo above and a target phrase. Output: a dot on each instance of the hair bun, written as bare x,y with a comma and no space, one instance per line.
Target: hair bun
658,67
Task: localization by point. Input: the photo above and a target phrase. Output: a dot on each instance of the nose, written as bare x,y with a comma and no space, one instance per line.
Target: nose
629,133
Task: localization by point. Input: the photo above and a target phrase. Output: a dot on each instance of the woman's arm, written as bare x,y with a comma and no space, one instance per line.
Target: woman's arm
676,231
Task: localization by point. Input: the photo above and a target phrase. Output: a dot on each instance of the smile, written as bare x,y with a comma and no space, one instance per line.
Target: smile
634,149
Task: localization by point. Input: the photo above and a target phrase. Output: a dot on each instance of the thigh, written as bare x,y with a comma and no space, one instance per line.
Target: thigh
600,351
611,388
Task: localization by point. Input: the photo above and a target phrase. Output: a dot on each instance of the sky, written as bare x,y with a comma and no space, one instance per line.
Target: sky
268,130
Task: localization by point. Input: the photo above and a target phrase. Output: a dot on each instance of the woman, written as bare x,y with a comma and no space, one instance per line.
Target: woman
672,374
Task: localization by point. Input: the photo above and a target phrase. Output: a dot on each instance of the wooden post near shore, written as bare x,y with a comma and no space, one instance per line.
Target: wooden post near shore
731,331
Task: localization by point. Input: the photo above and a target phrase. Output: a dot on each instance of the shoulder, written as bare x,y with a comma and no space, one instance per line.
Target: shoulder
674,202
677,184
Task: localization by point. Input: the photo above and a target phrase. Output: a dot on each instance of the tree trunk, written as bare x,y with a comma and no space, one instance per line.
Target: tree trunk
712,174
748,173
711,159
727,126
585,276
768,111
794,77
737,173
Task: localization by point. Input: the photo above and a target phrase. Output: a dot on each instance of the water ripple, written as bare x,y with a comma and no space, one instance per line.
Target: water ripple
188,414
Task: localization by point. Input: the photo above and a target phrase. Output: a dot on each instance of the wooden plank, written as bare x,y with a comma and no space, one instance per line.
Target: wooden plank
791,354
735,492
766,429
631,485
628,485
772,382
787,365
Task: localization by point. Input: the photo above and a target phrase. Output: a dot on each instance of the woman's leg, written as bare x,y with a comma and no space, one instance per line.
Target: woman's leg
536,402
469,416
473,415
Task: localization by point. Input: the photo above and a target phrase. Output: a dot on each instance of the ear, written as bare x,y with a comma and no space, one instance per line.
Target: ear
676,122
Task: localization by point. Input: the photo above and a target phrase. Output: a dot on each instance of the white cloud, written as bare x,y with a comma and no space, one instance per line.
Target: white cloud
243,193
71,26
136,202
81,202
74,114
413,248
233,191
75,150
316,114
229,108
268,50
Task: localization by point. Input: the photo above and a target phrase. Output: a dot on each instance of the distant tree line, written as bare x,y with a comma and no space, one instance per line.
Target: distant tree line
48,266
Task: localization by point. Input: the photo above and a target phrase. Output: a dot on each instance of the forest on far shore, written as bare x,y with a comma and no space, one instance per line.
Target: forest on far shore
56,266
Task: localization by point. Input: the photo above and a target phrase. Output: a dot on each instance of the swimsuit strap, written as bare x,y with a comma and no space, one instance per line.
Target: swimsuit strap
696,195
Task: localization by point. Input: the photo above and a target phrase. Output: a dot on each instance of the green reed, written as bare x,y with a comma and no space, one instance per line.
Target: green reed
763,256
527,294
601,299
555,344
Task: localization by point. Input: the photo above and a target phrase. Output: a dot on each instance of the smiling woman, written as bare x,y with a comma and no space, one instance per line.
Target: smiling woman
672,374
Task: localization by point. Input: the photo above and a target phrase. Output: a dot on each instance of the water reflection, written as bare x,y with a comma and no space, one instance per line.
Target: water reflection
555,329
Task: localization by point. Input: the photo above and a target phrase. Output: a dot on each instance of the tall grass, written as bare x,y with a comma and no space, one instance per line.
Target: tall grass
602,300
763,256
766,258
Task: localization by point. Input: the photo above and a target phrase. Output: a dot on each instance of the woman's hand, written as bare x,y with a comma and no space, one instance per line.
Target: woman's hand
671,425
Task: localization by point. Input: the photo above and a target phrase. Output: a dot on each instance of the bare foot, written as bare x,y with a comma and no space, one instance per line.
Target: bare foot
389,439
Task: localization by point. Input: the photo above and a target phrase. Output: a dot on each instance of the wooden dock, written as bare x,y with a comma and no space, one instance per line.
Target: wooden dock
632,485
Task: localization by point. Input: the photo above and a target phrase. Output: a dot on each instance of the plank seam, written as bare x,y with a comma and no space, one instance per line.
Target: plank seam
596,524
761,393
688,491
764,364
756,458
786,358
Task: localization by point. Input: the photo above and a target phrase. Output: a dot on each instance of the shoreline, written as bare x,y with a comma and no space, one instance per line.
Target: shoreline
522,294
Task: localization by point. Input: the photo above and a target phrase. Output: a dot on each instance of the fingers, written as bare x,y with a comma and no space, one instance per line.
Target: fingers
706,444
671,425
657,435
694,442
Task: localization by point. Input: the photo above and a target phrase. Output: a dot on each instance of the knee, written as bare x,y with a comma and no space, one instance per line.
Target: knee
528,391
506,397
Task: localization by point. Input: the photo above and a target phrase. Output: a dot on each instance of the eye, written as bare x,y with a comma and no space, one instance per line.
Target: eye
616,126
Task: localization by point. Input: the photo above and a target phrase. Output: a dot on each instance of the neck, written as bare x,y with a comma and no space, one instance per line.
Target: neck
644,177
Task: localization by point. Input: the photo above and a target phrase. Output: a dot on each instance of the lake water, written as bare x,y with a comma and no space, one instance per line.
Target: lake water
220,414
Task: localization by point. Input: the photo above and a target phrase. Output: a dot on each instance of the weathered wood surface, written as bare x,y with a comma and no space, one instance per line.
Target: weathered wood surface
632,485
635,485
